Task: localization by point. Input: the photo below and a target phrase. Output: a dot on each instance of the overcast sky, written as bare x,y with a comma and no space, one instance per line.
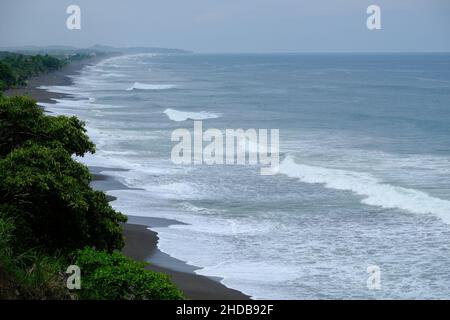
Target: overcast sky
231,25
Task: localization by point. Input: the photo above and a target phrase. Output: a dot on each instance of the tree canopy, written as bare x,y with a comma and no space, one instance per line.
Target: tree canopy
16,68
47,190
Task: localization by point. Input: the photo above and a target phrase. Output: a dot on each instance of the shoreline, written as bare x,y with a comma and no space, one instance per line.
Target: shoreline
141,242
59,77
194,286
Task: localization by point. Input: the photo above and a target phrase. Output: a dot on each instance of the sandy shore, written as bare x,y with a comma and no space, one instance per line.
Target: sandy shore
141,243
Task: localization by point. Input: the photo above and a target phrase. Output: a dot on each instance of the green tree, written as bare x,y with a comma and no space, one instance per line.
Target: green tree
7,77
16,68
47,192
49,196
21,120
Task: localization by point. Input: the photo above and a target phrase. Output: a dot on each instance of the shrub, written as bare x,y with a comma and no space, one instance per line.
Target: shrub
29,274
6,230
108,276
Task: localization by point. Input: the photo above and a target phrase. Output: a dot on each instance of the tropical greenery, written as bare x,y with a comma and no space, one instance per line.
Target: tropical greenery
114,276
50,217
16,68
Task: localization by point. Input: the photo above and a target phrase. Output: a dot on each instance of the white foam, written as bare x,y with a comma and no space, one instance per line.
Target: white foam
117,153
176,115
112,75
302,260
146,86
61,89
71,103
375,192
176,191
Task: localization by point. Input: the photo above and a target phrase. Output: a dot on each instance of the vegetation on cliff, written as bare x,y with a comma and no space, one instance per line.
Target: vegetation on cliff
51,218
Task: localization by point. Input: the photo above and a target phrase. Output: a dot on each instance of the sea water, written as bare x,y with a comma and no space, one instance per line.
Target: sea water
364,176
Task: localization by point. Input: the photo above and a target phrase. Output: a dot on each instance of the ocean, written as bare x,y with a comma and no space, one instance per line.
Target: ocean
364,176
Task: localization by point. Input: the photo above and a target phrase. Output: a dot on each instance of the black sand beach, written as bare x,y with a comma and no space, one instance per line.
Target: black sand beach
140,242
55,78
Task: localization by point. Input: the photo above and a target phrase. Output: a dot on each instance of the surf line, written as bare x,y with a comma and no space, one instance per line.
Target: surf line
230,147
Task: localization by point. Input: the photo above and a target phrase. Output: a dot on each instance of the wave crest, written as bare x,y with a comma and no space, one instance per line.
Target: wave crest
176,115
145,86
375,192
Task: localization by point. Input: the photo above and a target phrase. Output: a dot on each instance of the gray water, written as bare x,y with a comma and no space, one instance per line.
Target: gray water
364,176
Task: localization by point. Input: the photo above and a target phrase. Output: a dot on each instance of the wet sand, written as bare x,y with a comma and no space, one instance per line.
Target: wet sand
141,243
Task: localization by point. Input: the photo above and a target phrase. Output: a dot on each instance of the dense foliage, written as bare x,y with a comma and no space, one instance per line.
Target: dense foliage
48,195
28,274
114,276
48,211
16,68
7,76
22,121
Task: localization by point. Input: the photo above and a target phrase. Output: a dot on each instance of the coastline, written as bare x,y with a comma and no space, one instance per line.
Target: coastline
195,287
141,243
56,78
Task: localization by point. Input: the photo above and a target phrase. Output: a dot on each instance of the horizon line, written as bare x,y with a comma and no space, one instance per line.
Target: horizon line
23,47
